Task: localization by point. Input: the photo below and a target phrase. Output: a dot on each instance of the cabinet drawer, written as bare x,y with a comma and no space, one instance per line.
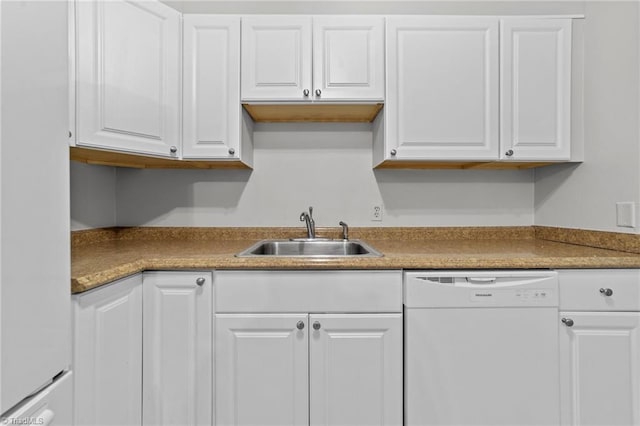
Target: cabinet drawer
307,291
580,290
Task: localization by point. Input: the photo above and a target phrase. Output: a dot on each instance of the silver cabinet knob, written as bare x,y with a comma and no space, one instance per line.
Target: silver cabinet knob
394,152
200,281
567,321
300,325
509,153
173,149
305,92
316,325
318,92
232,151
606,291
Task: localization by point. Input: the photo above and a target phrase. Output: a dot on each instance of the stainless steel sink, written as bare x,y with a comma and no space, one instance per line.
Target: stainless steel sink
310,248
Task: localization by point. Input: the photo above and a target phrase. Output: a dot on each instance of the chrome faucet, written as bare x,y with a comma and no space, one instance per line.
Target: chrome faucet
311,225
345,230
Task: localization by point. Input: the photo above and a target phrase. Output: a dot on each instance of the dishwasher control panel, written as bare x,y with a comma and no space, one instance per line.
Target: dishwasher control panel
480,288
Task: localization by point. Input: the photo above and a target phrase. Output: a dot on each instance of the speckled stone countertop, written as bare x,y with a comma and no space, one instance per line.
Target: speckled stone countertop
101,256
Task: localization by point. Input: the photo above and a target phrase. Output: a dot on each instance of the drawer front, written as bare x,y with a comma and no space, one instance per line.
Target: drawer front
600,290
307,291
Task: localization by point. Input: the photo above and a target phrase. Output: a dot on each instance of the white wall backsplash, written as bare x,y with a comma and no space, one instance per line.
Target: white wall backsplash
93,196
584,196
327,166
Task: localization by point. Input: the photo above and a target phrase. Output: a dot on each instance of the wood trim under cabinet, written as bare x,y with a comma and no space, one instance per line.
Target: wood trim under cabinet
119,159
313,113
492,165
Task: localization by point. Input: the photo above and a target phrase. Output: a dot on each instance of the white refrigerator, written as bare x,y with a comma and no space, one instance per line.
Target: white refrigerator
35,338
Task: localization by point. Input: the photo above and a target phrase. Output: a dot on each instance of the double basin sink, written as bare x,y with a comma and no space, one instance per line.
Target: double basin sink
316,248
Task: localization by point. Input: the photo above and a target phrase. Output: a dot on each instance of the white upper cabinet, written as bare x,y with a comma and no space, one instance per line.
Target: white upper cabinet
442,88
299,58
211,87
128,76
535,70
348,58
276,58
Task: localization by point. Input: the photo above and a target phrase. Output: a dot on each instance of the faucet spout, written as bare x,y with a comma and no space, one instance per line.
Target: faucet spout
309,222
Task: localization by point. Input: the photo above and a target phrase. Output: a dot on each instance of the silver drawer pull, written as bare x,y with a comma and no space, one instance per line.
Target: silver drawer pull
606,291
200,281
567,321
316,325
300,325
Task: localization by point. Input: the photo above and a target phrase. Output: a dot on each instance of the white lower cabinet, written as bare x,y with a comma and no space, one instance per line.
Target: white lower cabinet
107,354
355,369
280,366
318,369
177,348
600,347
143,354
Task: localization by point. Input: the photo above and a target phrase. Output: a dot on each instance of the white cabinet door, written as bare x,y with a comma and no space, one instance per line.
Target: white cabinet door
211,127
107,354
276,58
178,353
356,369
442,88
600,374
348,58
128,76
261,370
535,89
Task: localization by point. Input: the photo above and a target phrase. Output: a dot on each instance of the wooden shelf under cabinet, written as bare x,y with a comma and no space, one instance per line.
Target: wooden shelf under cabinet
313,113
492,165
119,159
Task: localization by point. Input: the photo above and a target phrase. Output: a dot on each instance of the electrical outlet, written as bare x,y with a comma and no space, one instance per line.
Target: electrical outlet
626,214
376,213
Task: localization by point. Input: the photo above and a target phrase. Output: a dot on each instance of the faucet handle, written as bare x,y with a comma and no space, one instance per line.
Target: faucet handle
303,216
345,230
311,212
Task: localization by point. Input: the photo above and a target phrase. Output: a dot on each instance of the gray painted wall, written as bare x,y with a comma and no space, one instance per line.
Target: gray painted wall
329,166
584,196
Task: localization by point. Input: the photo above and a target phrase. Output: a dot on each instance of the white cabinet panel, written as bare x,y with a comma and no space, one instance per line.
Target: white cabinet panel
355,369
442,88
211,87
262,370
128,76
348,57
536,89
107,354
600,378
276,57
177,348
35,321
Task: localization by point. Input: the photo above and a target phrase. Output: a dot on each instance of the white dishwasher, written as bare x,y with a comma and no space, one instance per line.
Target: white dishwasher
481,348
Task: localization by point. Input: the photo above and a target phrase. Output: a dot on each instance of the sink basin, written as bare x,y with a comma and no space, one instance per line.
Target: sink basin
310,248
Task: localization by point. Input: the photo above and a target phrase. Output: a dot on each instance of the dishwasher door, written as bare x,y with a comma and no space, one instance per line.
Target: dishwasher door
481,348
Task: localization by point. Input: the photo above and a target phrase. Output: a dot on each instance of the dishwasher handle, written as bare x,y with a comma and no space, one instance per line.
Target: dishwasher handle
481,280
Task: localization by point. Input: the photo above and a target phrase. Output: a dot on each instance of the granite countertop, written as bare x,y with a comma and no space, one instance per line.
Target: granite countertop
101,256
